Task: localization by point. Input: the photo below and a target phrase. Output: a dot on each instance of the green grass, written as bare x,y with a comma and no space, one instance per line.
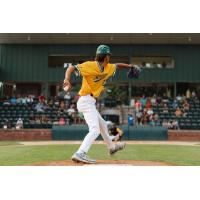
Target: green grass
25,155
7,143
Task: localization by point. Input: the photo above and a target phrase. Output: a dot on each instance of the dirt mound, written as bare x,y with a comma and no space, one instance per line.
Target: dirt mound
104,163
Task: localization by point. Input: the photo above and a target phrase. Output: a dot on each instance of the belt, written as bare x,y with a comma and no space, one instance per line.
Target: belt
93,96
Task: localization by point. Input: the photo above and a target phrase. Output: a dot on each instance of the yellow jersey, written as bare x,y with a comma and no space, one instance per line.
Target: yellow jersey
94,77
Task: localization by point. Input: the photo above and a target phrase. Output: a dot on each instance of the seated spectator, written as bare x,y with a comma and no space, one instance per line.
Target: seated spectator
19,124
50,103
186,106
145,120
39,107
7,124
149,111
29,100
138,106
179,98
41,98
6,101
61,122
139,117
62,105
194,94
178,112
175,125
159,100
67,98
19,100
13,100
24,100
37,120
44,119
143,101
153,100
31,119
165,98
148,104
165,123
175,104
71,110
165,108
169,124
151,120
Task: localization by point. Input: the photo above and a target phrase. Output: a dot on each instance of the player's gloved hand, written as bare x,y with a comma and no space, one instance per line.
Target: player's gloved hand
66,85
134,72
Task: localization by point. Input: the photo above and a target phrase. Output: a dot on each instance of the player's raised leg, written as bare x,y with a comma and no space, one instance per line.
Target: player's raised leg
113,148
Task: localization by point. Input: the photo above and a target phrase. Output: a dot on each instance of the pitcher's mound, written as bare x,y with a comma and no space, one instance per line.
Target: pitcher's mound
105,163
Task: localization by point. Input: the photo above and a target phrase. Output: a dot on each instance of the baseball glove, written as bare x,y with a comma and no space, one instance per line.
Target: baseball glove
134,72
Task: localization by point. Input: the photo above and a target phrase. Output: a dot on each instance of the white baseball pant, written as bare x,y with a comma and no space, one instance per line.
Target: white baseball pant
96,124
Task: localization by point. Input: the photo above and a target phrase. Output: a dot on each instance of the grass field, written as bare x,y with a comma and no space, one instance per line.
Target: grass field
13,154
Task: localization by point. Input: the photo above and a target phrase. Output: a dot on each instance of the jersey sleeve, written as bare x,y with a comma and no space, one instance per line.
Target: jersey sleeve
113,68
84,69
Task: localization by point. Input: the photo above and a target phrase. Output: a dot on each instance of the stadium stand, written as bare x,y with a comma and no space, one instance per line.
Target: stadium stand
44,114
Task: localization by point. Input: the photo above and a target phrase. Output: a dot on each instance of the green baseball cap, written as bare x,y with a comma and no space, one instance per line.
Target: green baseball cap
103,49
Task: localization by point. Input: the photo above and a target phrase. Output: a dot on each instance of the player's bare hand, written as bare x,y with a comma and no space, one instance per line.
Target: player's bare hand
67,84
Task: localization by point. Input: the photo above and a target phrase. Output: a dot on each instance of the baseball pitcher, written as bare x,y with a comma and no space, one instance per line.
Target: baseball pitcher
94,75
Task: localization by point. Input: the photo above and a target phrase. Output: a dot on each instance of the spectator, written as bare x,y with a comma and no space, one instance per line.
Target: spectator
19,100
148,104
153,100
179,98
165,108
138,106
41,98
24,100
71,111
19,124
186,106
13,100
188,94
159,100
175,125
143,101
151,120
175,104
178,112
7,124
130,120
139,117
165,98
29,100
194,96
169,124
39,107
61,122
149,111
67,98
165,123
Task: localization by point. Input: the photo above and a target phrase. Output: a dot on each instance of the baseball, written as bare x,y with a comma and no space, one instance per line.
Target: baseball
66,88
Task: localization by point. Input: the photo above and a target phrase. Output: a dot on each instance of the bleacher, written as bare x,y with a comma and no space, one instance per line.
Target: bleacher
191,121
14,112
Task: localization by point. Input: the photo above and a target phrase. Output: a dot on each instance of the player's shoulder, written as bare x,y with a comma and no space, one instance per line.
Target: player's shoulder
89,63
